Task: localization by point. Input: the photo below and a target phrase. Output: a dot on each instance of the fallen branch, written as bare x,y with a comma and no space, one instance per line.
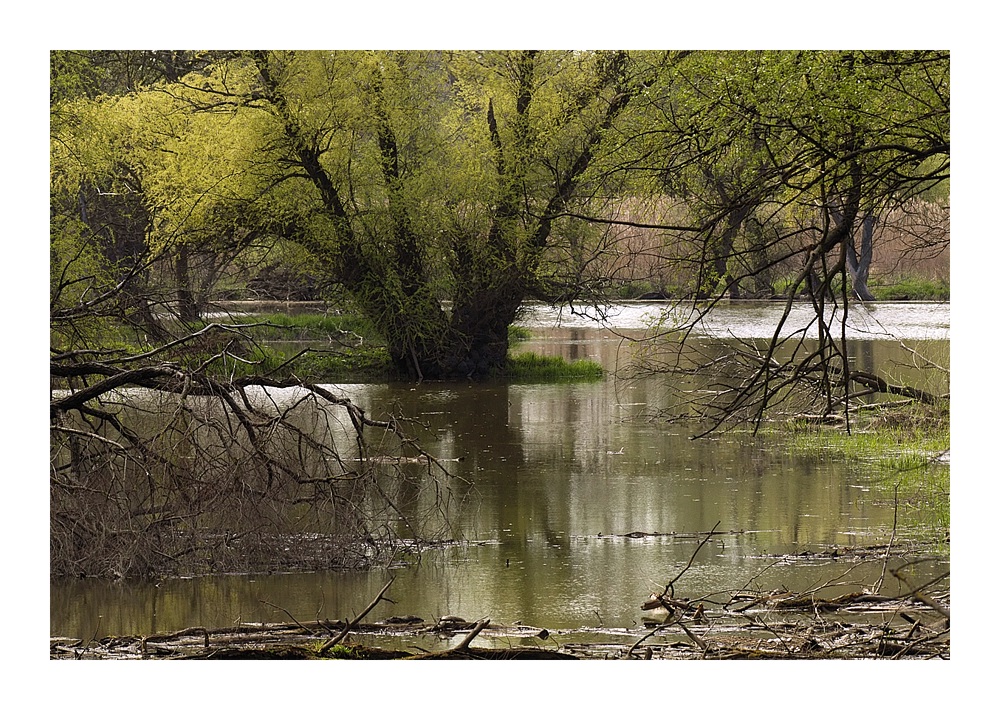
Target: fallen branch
920,597
693,636
482,624
347,629
288,614
792,633
634,646
669,589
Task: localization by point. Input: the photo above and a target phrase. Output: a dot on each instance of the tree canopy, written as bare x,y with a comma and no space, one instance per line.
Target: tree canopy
785,160
439,190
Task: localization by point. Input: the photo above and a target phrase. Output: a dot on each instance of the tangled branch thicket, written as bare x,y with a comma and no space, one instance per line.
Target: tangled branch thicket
159,469
808,368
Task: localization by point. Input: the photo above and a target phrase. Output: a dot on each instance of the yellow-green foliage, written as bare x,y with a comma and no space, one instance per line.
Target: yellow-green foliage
422,178
186,163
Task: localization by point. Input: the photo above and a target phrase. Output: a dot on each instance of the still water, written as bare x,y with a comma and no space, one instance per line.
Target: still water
563,477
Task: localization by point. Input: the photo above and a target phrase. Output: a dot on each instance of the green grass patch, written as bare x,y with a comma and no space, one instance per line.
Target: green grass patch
877,445
907,288
355,351
357,364
518,334
530,367
339,650
362,364
911,289
923,488
372,364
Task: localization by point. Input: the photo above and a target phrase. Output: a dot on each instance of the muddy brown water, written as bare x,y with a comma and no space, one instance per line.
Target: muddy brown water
564,475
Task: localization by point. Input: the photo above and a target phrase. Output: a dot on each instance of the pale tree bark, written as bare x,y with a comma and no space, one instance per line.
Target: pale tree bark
859,262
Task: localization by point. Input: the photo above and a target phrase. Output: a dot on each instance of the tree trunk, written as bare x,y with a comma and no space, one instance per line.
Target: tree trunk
396,285
734,221
121,221
480,325
187,305
718,274
859,264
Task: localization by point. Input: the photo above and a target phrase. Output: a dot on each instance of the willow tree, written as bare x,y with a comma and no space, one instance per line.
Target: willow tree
711,162
433,186
824,140
142,203
163,459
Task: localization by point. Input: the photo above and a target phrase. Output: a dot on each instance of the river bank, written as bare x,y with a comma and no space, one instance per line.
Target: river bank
746,624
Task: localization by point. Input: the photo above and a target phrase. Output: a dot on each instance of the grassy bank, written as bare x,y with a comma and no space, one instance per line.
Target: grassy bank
528,367
910,289
359,364
309,326
370,364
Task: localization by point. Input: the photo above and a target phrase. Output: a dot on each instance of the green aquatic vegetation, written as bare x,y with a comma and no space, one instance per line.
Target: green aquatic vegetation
888,448
876,432
518,334
337,651
923,487
905,451
358,364
281,345
531,367
368,363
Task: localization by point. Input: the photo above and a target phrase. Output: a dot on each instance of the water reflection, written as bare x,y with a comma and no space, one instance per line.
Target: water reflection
561,474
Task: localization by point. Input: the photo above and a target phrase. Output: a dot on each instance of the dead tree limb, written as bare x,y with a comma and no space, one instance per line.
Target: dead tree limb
288,614
693,636
634,646
669,589
350,625
480,625
917,594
